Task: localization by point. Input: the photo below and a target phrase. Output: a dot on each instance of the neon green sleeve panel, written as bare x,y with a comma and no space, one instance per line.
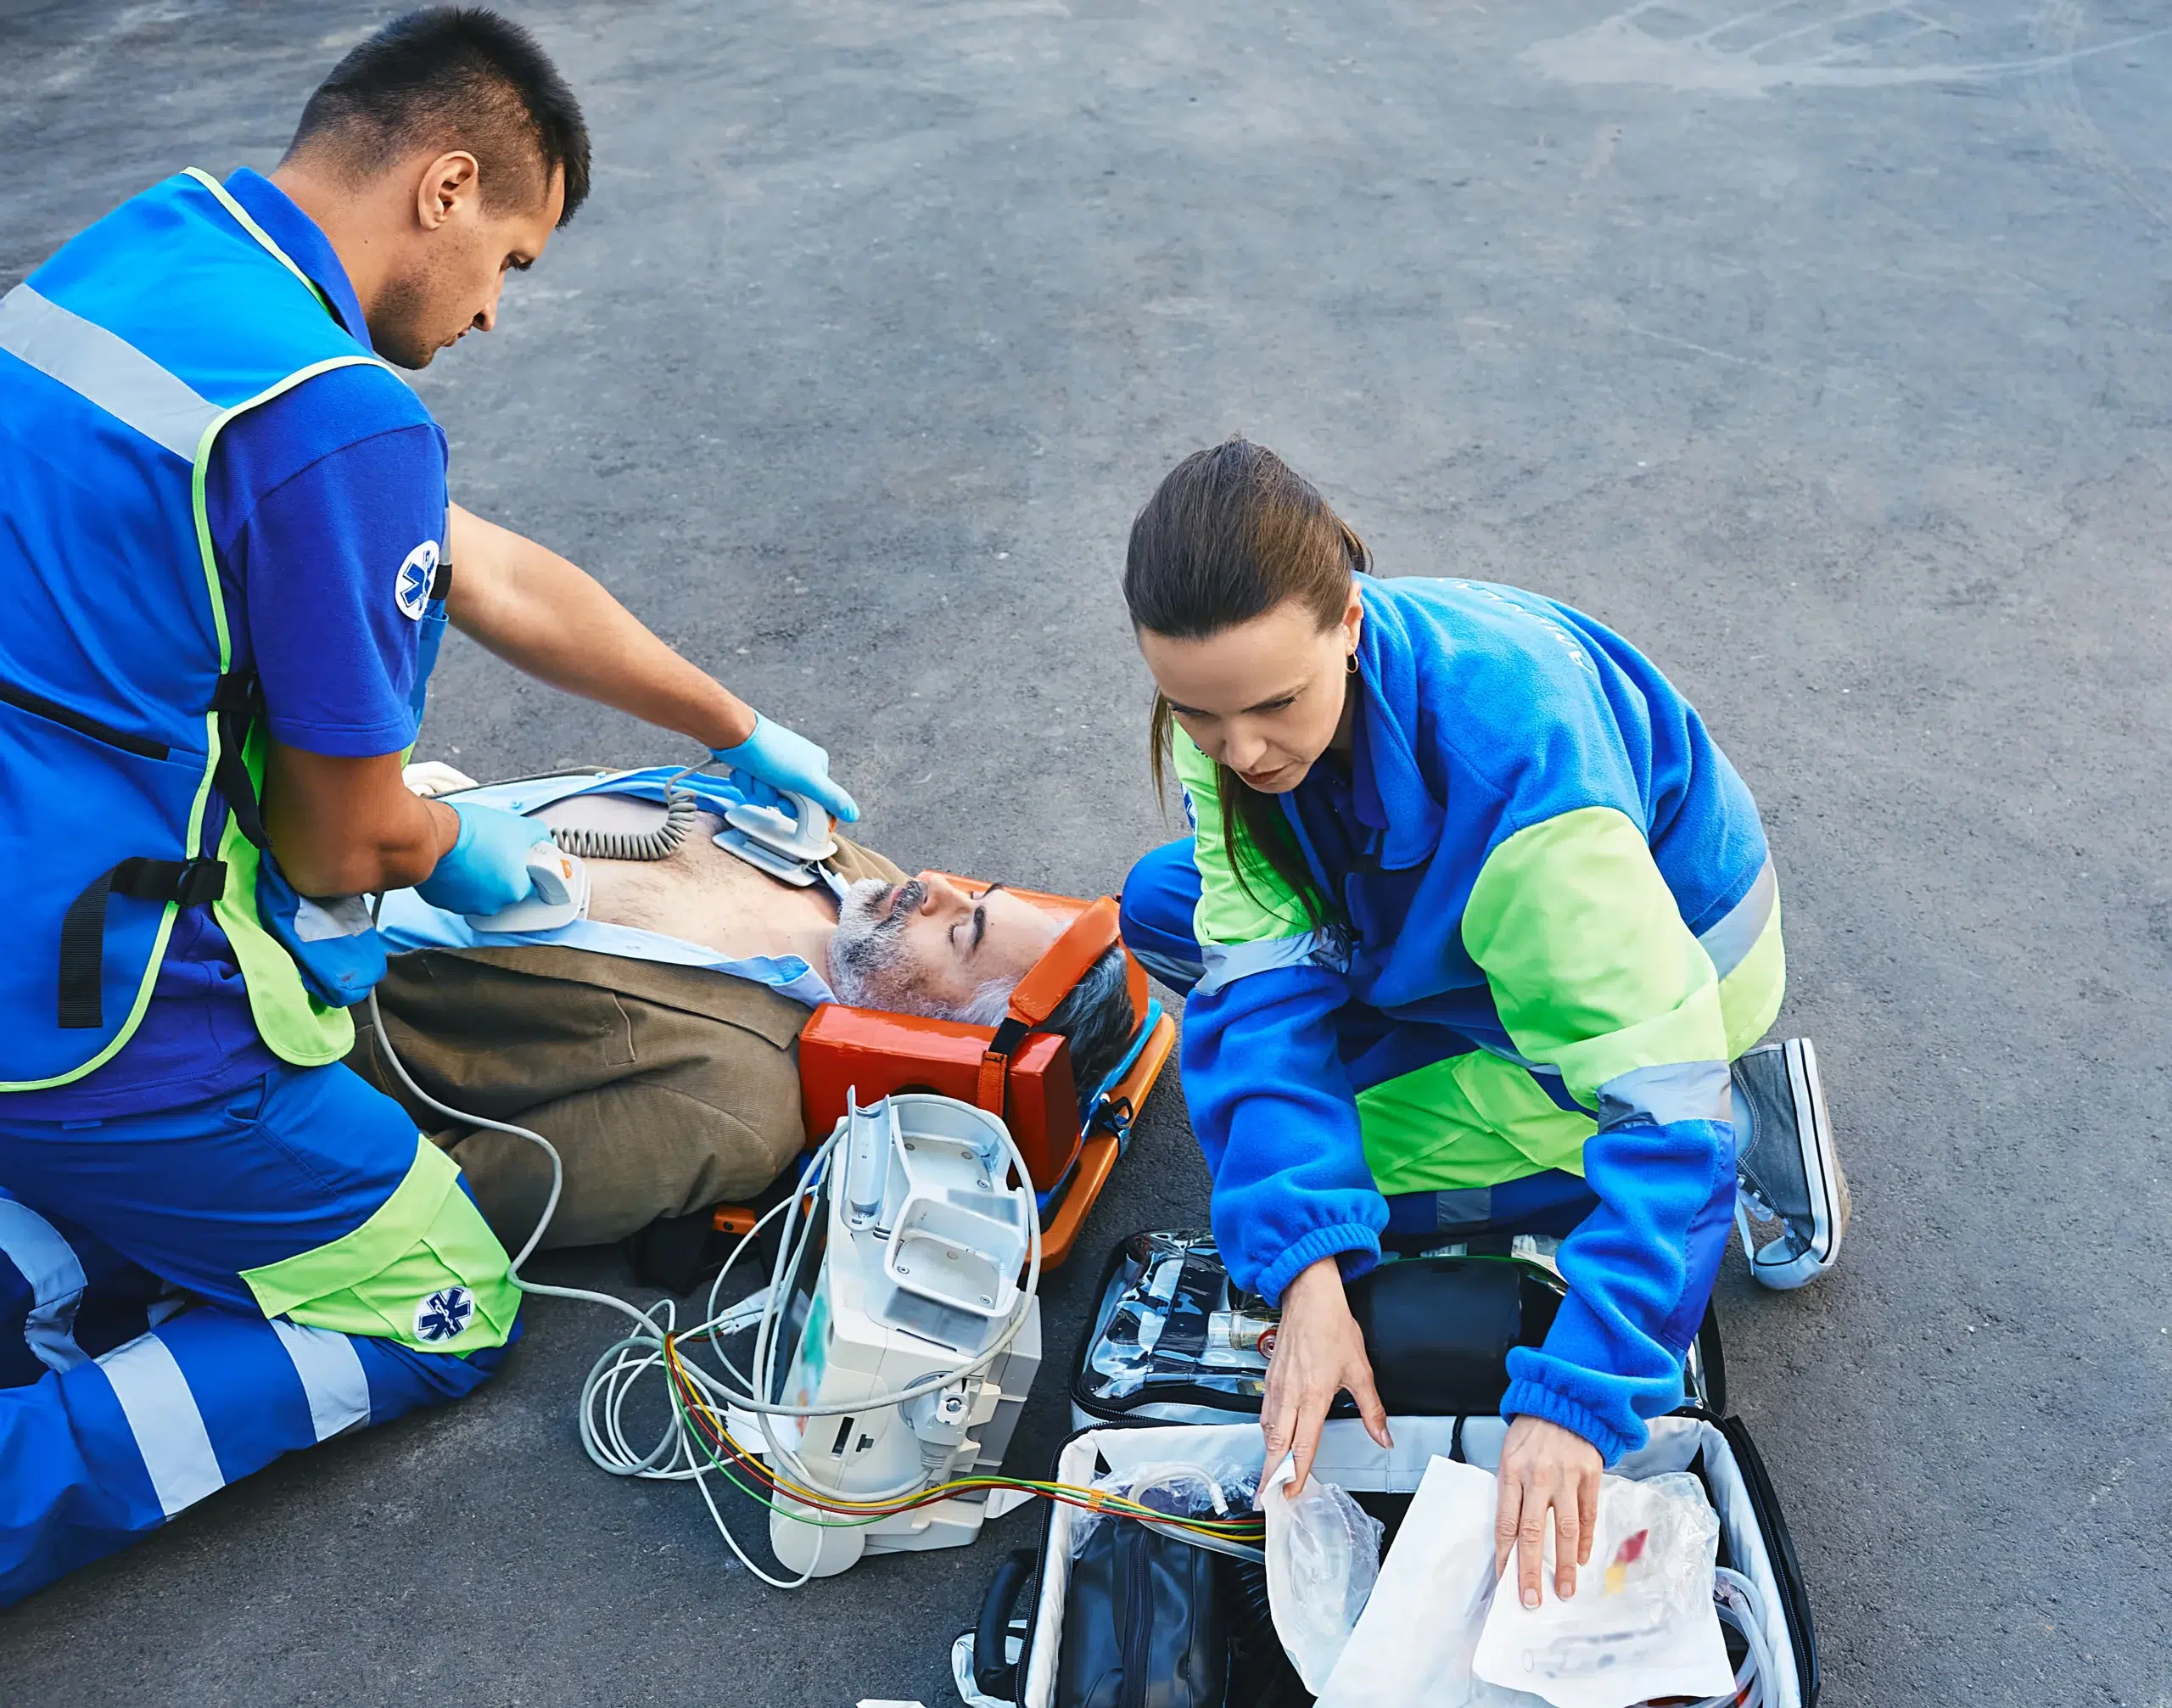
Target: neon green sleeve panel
426,1237
1228,913
1591,968
294,1024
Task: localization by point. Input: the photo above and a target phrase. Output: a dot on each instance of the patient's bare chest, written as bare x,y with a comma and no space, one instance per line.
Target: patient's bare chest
699,893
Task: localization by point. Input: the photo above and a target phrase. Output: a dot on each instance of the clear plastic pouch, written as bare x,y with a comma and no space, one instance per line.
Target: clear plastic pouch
1323,1559
1641,1622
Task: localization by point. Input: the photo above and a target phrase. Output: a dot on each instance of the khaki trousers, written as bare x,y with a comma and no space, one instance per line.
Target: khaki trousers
665,1088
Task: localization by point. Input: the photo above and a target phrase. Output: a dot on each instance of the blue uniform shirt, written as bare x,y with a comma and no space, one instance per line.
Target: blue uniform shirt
322,504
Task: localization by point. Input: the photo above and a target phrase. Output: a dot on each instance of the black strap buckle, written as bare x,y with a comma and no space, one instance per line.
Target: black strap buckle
191,883
237,692
201,882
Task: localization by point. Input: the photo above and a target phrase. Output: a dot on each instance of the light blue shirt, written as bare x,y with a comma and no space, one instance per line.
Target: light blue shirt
408,922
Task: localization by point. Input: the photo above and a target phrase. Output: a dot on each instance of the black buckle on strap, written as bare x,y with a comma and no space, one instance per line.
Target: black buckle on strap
191,883
238,691
196,883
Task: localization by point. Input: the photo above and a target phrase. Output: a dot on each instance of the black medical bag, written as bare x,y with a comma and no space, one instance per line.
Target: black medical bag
1174,1350
1143,1626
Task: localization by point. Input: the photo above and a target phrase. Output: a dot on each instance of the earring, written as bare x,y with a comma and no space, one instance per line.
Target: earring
1350,664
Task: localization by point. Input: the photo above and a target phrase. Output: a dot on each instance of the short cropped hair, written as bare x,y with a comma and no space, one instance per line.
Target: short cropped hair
1096,1017
453,77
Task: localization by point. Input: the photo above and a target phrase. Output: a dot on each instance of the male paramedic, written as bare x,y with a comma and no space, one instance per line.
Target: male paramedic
226,556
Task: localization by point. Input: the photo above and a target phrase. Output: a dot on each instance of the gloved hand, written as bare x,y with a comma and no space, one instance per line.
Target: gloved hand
486,871
788,761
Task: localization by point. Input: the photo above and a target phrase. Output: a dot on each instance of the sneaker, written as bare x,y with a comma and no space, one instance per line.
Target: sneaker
1791,1199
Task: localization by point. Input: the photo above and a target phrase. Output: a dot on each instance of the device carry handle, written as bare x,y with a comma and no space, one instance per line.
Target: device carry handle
1041,992
994,1675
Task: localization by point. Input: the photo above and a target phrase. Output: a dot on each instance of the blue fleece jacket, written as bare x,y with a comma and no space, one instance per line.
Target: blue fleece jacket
1537,851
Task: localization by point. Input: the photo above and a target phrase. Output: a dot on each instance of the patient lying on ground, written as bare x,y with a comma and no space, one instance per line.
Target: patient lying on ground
669,1087
919,946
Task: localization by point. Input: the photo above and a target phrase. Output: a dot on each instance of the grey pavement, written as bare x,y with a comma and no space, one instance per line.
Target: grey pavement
1819,347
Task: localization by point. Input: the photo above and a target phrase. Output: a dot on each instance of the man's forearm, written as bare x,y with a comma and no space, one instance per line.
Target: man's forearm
347,827
552,619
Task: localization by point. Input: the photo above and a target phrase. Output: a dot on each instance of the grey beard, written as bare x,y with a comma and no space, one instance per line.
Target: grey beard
871,967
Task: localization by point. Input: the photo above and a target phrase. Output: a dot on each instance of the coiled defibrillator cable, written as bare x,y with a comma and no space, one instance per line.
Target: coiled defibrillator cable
682,811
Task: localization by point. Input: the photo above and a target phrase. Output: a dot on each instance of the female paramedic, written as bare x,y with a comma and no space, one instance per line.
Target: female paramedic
1474,918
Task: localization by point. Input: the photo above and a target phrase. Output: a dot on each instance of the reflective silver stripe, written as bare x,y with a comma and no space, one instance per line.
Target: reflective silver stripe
1522,1061
1736,934
1680,1091
331,1373
1227,962
169,1429
1177,974
55,1273
105,369
320,919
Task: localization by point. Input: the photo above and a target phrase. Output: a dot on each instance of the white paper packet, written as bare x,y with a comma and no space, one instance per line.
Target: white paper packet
1412,1646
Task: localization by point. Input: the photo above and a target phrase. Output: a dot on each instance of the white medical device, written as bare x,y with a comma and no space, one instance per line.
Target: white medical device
924,1243
789,846
559,898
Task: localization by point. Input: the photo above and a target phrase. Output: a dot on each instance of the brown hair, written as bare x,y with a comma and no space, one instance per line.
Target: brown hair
1232,533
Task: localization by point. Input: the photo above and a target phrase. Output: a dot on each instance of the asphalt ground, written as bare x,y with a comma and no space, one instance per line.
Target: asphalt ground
1818,346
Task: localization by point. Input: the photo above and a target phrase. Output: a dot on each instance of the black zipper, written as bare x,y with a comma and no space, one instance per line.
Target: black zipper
1139,1615
39,707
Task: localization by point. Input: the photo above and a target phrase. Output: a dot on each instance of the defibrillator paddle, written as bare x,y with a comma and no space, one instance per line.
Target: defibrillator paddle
558,898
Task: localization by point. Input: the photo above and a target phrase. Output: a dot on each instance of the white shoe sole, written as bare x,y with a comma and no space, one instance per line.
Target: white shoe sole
1822,1165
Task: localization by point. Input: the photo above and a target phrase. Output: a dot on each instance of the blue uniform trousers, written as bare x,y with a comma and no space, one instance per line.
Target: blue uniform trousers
141,1374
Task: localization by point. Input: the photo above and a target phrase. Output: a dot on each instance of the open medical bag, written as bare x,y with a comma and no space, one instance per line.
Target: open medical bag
1172,1370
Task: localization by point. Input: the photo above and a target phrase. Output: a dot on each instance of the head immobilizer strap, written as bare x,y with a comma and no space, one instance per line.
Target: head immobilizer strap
1042,991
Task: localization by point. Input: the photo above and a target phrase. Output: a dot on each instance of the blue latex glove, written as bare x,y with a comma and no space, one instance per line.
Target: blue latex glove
788,761
486,871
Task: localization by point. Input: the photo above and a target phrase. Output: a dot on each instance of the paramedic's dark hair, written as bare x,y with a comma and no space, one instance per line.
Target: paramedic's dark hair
1232,533
1097,1018
453,77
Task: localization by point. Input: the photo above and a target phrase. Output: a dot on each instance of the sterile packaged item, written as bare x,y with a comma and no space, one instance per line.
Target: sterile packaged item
1323,1559
1413,1645
1641,1622
1239,1340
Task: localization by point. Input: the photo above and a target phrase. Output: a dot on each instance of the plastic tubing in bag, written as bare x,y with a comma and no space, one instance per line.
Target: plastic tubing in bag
1323,1559
1186,1490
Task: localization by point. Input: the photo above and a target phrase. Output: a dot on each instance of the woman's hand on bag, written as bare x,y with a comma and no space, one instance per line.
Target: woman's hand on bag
1545,1469
1318,1353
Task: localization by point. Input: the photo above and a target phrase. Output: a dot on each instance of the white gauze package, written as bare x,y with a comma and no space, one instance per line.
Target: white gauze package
1641,1622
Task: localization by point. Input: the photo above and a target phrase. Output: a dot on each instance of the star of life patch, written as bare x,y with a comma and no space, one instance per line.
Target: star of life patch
411,587
444,1315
